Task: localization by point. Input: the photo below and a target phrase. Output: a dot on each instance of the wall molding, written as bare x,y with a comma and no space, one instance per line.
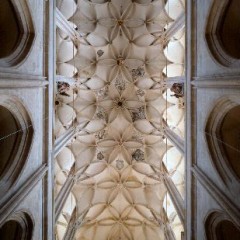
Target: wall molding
217,81
19,80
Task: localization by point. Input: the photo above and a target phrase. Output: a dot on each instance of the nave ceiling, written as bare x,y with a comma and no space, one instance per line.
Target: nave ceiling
119,106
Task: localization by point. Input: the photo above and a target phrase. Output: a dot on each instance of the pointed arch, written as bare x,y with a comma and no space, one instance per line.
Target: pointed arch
16,133
18,226
219,226
223,143
17,32
223,32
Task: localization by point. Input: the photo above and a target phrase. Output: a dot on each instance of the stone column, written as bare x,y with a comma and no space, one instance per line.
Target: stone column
62,141
71,229
169,235
64,25
64,193
174,138
174,28
174,195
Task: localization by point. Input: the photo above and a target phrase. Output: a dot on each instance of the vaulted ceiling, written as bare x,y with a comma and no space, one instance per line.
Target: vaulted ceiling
119,105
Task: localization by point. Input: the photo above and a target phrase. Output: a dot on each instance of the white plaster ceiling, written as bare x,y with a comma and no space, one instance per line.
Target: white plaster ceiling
117,105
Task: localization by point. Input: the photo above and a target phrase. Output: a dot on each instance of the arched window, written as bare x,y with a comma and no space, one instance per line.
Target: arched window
223,137
219,226
17,227
16,32
223,32
16,136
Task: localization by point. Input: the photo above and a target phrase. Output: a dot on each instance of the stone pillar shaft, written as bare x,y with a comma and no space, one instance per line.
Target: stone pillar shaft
64,193
71,229
175,196
64,25
62,141
174,28
176,140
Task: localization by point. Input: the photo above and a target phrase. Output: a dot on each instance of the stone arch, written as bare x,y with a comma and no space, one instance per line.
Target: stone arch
16,134
18,226
17,32
218,226
223,32
224,144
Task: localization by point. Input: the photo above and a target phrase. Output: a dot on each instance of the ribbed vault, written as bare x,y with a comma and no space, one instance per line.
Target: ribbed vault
119,105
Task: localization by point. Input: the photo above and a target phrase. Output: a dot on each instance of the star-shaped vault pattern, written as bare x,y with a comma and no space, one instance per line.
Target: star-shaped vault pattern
118,104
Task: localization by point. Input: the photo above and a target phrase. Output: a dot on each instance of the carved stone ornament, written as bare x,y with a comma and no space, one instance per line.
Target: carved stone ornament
120,84
139,72
138,155
63,87
119,164
100,156
100,135
138,114
100,52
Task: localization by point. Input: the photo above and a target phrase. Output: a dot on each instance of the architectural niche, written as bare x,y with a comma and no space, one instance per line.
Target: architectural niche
218,226
16,134
19,226
223,138
222,35
17,32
